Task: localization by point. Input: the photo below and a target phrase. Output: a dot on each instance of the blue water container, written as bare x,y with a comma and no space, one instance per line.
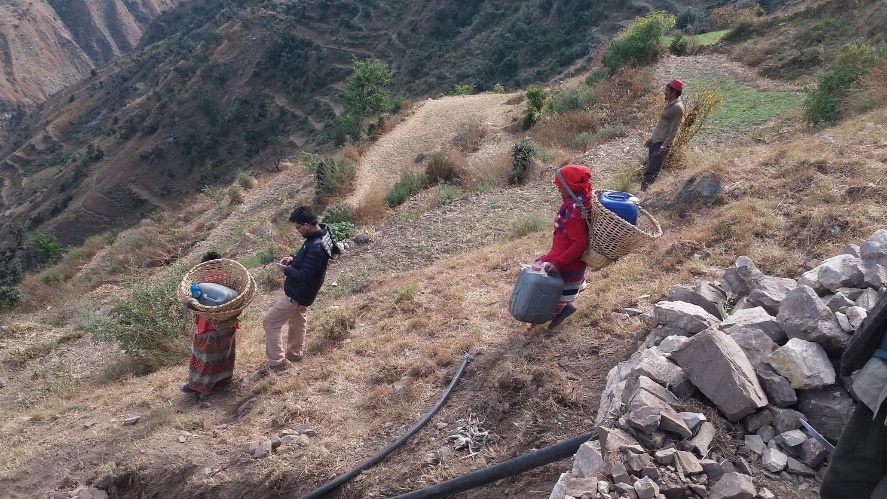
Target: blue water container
621,203
535,296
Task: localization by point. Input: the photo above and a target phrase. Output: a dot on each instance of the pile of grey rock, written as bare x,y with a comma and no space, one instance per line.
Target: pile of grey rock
766,366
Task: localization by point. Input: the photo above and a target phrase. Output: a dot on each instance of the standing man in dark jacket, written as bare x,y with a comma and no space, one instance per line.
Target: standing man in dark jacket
305,272
663,135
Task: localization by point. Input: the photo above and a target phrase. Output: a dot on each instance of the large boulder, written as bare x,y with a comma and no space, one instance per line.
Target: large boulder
705,187
875,276
874,249
803,315
721,371
705,294
811,278
842,271
769,292
641,394
827,409
683,315
755,318
805,364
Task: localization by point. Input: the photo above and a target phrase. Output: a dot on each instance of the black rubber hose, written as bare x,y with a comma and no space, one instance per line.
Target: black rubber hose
338,482
516,466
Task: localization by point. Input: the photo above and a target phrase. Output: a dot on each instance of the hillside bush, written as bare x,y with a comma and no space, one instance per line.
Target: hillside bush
638,43
571,99
728,15
48,247
147,325
683,44
536,99
408,185
342,230
336,213
822,105
522,162
333,176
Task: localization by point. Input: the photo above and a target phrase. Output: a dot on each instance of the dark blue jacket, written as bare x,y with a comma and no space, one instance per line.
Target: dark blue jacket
305,273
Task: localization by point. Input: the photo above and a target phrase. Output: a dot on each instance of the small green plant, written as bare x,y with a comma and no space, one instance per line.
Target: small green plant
245,180
580,141
536,100
51,275
215,194
446,194
823,104
464,89
521,162
309,161
342,230
623,180
408,185
406,293
338,212
498,88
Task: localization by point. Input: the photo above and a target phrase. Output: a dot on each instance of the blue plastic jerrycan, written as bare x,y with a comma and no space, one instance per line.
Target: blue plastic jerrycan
211,294
535,296
621,203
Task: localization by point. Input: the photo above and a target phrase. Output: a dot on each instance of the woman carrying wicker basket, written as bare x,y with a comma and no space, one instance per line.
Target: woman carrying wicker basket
570,238
212,352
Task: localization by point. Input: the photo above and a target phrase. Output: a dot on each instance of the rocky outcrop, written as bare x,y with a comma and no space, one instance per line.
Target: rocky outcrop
767,367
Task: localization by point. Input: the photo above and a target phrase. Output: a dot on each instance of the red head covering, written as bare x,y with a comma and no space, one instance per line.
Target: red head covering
677,85
578,178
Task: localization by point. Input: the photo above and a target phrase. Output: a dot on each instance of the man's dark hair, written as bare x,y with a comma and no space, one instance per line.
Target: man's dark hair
678,92
210,255
303,215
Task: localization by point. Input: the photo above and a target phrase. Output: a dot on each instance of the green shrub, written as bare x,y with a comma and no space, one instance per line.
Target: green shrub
342,230
48,247
10,297
596,76
408,185
464,89
498,88
246,180
607,132
446,194
536,99
571,99
338,213
581,141
333,176
823,104
148,325
521,162
639,42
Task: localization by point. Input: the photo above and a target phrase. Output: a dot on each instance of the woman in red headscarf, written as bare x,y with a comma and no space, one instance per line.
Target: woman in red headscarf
570,238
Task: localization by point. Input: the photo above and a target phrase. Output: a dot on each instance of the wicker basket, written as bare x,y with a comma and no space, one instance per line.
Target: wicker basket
227,273
610,236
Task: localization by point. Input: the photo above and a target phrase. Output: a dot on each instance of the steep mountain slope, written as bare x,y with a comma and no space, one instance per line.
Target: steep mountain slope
218,84
46,45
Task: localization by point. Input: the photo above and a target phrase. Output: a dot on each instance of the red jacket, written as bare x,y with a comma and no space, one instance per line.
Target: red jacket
570,238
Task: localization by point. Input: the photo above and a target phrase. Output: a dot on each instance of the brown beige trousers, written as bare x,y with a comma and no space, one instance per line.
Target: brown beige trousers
285,311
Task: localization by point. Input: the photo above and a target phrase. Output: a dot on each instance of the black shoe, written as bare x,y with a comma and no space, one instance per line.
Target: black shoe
188,390
568,310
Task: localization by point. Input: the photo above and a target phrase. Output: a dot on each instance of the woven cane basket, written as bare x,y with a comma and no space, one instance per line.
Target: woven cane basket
227,273
611,237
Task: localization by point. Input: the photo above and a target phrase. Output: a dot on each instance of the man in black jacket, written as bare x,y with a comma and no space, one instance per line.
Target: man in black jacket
305,272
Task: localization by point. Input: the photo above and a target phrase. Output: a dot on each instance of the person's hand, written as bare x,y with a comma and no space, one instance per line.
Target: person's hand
552,268
662,152
280,265
538,266
286,260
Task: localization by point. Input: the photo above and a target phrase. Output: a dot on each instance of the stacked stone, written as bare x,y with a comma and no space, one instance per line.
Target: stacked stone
766,366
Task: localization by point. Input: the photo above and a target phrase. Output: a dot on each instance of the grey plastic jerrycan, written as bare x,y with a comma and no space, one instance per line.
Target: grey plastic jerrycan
212,294
535,295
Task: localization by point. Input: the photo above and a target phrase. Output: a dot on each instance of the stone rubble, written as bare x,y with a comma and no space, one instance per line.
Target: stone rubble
766,367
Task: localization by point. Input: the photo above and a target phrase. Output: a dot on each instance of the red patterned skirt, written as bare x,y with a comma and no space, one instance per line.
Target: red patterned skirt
212,357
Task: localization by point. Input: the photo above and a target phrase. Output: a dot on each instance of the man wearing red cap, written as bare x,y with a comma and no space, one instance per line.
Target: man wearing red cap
570,238
663,135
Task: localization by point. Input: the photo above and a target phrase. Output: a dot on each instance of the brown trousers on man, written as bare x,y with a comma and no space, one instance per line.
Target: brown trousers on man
285,311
